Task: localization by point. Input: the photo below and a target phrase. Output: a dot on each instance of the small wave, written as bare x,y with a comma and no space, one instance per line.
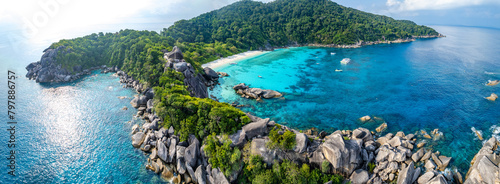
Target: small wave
477,133
490,73
495,131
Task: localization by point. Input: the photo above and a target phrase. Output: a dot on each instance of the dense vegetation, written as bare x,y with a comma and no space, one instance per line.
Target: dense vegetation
285,141
251,25
242,26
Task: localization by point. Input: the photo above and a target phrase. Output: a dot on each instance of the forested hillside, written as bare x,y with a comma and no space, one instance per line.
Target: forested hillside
250,25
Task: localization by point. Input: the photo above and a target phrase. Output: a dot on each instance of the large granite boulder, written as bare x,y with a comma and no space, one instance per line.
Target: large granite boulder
210,74
175,54
485,164
238,139
172,150
255,129
359,176
219,177
181,165
270,94
192,153
200,175
137,139
344,155
258,147
301,142
362,134
162,151
408,175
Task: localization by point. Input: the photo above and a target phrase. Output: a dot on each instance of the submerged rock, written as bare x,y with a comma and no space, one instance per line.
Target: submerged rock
492,97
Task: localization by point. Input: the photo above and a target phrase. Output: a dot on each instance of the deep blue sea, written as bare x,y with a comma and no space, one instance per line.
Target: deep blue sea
422,85
68,133
77,132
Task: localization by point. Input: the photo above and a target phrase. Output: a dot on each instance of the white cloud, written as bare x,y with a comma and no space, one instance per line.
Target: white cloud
412,5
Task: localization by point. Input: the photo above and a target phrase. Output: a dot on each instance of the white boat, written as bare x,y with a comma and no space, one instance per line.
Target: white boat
338,70
345,61
333,53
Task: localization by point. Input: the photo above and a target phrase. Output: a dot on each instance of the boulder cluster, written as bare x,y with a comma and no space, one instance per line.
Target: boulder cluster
196,82
48,70
255,93
485,166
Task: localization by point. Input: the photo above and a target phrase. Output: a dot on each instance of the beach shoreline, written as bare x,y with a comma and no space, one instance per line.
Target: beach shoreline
232,59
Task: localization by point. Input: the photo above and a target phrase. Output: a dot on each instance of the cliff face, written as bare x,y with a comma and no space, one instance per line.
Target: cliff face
47,70
485,165
196,83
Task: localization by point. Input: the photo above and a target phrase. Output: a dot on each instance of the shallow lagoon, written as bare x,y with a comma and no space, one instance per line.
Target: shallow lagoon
426,84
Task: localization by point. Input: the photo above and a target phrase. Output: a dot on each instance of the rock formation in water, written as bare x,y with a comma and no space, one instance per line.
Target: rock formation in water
48,70
485,164
255,93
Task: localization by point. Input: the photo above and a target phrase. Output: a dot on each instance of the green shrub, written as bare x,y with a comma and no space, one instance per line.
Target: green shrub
285,141
325,166
221,155
371,166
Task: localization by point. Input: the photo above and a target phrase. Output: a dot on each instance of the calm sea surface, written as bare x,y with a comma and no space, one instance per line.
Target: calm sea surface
77,132
68,133
422,85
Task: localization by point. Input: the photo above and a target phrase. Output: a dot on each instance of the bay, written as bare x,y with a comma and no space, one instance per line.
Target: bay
422,85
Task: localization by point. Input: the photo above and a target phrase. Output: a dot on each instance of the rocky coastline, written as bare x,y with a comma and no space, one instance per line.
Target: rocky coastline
358,44
360,155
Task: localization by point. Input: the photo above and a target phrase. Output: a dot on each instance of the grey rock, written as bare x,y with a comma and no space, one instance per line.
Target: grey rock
444,162
219,178
271,94
301,142
192,153
425,177
439,179
181,166
170,131
181,67
406,175
345,156
137,139
256,128
359,176
258,147
240,86
429,165
172,150
175,54
395,141
238,139
210,74
162,151
200,175
418,155
362,134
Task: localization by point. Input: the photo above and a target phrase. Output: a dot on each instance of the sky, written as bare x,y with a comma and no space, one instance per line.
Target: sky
55,19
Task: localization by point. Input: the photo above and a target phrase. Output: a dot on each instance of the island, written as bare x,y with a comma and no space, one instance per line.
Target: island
191,138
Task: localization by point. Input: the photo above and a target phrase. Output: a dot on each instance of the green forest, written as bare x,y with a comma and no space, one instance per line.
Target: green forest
244,25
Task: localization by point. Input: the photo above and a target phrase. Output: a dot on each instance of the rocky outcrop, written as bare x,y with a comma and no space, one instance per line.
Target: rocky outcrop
344,155
194,82
255,129
255,93
49,70
485,164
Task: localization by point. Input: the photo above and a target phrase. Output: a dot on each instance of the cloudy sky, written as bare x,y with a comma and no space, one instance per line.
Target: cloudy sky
43,18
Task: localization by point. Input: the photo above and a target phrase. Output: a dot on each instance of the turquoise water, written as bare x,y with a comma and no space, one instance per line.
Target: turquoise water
426,84
68,133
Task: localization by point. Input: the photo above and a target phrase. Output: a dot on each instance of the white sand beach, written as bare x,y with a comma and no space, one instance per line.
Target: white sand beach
232,59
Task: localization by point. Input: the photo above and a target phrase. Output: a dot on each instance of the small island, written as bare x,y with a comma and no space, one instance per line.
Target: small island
193,139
